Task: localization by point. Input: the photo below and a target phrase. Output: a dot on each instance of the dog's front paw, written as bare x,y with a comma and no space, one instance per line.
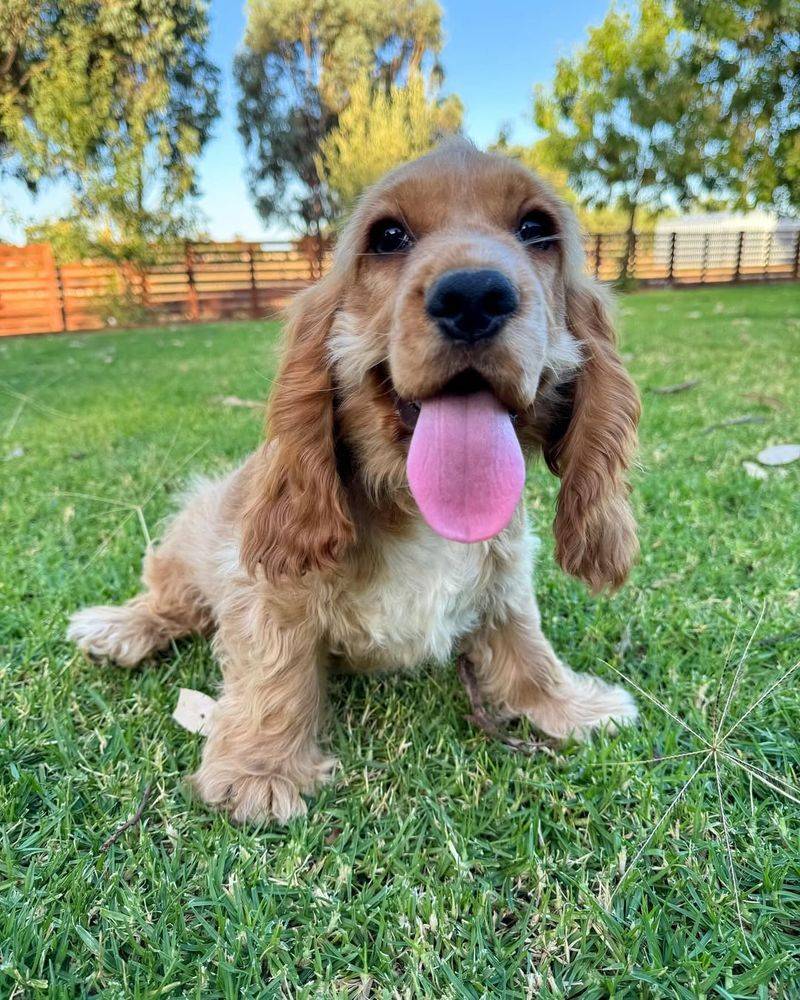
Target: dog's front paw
251,799
258,798
581,704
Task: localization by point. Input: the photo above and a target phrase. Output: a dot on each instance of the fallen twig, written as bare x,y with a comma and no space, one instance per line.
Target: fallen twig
747,418
772,402
669,390
129,822
484,721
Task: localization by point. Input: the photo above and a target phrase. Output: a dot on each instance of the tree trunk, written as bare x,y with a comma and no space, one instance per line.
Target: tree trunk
630,243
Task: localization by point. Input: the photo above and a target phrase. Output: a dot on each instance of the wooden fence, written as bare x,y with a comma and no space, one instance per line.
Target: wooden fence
206,281
201,281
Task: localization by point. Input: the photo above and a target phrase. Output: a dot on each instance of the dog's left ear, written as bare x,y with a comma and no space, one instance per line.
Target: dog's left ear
591,448
296,516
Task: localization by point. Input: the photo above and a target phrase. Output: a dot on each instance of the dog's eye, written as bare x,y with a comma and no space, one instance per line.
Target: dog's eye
388,236
537,229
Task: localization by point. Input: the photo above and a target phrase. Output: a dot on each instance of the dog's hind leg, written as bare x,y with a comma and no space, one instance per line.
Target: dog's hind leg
171,606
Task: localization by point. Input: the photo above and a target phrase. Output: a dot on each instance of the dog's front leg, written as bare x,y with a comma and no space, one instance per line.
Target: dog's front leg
262,752
519,672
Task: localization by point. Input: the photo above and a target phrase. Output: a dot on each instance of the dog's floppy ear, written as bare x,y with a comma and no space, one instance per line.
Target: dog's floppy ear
296,511
591,448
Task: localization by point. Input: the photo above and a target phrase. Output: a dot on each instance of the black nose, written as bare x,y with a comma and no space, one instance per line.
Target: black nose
471,305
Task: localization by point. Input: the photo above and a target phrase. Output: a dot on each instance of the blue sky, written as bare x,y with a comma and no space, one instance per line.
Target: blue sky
495,51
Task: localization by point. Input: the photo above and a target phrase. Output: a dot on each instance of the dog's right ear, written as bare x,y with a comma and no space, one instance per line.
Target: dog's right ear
296,513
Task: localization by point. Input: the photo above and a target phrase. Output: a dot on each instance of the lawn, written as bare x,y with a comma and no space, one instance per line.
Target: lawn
438,864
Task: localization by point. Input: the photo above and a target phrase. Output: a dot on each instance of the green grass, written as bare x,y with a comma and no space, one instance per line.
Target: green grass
438,864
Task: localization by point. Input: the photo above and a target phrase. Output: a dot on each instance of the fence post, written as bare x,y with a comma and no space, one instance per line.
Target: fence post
737,274
253,284
193,301
144,290
704,263
598,254
797,256
61,305
671,272
767,256
123,283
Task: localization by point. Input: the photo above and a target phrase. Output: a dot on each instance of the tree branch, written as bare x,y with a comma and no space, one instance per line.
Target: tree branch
484,721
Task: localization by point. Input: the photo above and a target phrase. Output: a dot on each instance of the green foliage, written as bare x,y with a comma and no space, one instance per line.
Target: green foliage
17,19
610,118
119,99
683,101
71,238
300,61
745,55
438,863
379,129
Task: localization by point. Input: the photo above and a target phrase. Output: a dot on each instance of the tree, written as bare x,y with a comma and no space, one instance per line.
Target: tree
119,99
380,129
300,61
610,118
745,55
17,21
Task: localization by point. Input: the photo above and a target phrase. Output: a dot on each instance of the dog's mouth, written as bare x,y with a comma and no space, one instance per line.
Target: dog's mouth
466,383
408,411
465,466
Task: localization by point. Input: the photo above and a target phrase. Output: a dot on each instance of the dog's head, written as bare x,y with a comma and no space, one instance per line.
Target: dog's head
459,276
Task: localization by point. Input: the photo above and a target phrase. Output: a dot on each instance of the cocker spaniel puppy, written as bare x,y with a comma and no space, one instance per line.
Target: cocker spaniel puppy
381,523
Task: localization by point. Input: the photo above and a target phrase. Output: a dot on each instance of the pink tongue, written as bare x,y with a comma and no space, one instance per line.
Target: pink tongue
465,466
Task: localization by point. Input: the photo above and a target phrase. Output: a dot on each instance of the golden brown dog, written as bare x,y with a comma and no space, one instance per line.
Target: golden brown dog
457,300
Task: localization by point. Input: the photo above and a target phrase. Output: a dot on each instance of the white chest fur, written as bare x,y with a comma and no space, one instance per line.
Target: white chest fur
426,593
